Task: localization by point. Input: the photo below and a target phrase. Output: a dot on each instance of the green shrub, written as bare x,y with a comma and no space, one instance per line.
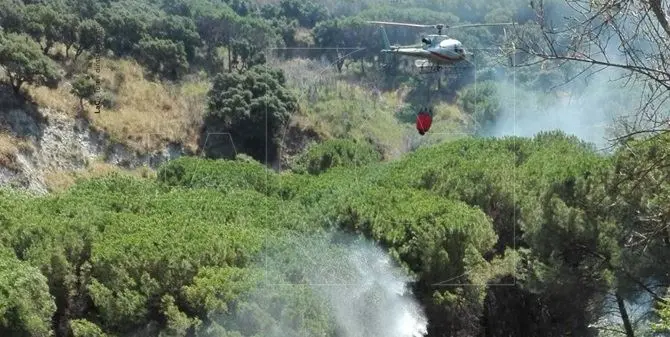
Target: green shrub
335,153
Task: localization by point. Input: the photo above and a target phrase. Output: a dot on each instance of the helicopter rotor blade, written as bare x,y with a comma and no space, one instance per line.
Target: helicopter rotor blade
441,26
480,25
402,24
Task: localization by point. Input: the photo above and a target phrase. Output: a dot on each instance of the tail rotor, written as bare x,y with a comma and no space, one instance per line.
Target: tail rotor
388,58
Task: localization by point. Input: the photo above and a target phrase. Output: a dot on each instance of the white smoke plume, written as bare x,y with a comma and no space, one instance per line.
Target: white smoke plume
312,281
586,108
375,302
577,98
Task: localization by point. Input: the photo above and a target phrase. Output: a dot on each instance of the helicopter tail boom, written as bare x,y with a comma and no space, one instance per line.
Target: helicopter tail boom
414,52
387,44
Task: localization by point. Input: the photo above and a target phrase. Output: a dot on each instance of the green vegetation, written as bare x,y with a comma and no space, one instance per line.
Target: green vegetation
566,230
335,153
84,88
259,106
176,254
24,63
182,44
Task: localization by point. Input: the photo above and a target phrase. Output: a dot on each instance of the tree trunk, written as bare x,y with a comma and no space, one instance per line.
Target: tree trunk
47,47
657,8
16,85
211,63
230,63
624,316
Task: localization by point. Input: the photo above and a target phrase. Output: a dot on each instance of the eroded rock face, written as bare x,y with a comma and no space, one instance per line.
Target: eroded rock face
58,142
54,141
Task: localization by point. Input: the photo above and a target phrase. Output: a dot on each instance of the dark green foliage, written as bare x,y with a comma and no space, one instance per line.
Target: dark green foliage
12,16
91,36
85,9
177,7
24,62
125,23
245,55
179,30
172,255
164,57
84,87
637,198
154,32
241,7
349,32
307,13
335,153
26,305
259,34
48,22
222,175
556,223
482,102
251,108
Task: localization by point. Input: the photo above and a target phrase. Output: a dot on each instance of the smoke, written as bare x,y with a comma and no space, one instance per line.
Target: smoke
375,301
586,107
330,286
579,99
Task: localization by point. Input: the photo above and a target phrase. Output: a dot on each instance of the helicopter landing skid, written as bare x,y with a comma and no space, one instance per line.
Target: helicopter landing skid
429,69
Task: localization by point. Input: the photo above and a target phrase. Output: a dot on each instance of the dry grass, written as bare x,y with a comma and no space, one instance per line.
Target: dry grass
59,181
8,151
147,114
343,110
304,36
450,114
58,99
9,148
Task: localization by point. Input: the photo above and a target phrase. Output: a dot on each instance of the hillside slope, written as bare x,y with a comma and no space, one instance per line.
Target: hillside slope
48,140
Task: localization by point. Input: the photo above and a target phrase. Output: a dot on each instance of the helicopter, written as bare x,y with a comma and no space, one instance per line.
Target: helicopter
437,50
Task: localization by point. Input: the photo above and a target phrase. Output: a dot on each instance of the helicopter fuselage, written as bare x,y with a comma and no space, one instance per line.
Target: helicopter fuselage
438,49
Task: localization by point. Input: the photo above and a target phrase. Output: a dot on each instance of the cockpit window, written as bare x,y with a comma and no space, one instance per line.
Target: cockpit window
458,49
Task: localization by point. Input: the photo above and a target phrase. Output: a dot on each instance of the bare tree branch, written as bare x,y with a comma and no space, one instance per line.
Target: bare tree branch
632,36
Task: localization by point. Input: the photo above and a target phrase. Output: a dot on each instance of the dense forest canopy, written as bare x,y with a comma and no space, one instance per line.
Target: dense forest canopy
508,236
176,255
